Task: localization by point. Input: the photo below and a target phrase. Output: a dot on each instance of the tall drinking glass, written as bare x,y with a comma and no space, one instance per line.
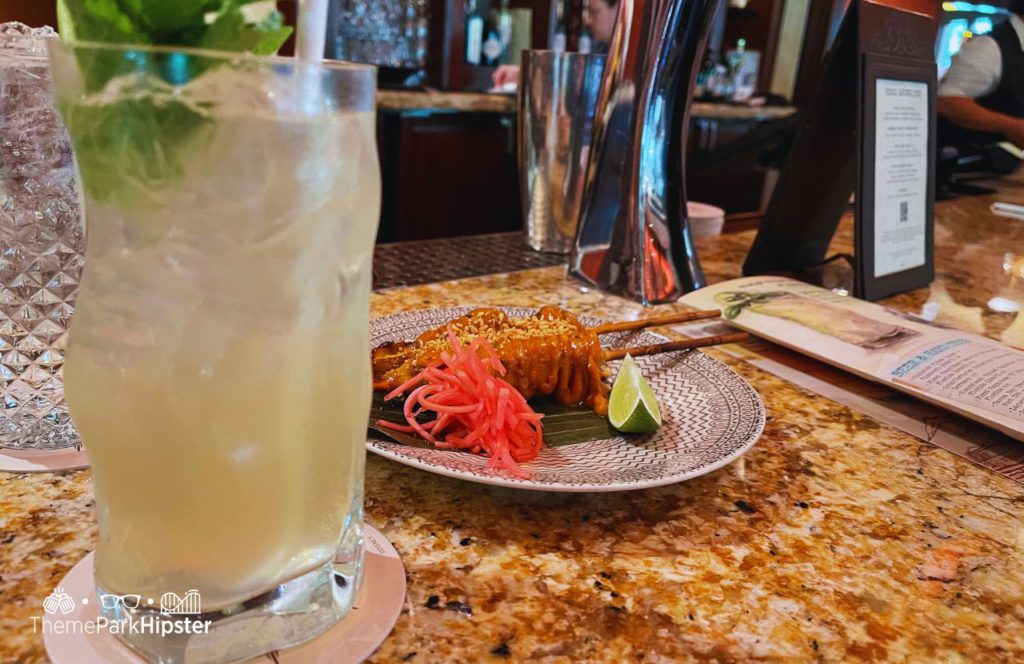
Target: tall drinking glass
217,368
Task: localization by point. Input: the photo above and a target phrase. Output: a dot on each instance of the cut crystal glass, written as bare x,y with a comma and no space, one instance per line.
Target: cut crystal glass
41,246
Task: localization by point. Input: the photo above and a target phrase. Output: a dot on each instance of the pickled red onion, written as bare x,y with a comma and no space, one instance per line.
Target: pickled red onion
476,410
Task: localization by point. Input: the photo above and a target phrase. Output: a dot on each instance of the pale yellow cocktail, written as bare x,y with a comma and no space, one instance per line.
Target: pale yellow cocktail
218,368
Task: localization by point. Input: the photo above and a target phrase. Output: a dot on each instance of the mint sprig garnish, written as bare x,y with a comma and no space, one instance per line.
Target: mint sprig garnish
213,24
136,142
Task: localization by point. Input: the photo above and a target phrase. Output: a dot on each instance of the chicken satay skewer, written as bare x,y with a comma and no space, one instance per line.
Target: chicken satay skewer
671,346
550,354
655,321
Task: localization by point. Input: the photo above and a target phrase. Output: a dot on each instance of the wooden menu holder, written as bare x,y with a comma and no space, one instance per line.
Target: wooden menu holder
869,129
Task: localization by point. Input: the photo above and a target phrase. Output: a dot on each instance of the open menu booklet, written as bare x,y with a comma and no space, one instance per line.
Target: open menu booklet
976,377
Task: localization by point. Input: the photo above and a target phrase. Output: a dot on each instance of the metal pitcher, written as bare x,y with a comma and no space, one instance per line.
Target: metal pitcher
634,235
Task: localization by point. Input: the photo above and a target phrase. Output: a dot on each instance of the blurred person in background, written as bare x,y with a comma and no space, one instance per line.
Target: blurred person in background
601,17
981,97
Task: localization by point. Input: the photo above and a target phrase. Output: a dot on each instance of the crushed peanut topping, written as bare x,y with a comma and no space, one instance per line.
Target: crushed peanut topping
511,329
548,354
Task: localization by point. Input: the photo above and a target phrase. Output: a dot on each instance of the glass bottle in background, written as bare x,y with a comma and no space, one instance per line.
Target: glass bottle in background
474,33
734,63
493,50
560,37
704,78
586,39
504,23
408,31
735,58
422,32
745,76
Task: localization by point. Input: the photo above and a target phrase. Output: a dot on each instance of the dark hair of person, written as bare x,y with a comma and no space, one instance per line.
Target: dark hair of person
1017,6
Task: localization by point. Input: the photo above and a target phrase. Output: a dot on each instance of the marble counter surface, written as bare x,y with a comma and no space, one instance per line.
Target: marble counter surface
479,102
836,538
438,100
713,111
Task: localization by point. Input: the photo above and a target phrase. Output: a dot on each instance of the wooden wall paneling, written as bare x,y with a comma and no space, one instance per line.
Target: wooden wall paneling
446,65
35,13
771,46
388,126
456,176
733,192
542,21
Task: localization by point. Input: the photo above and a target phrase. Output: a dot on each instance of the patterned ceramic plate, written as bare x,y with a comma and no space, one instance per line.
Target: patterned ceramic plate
711,417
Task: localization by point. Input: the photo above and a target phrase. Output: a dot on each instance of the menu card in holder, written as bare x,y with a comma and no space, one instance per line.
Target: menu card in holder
895,210
870,130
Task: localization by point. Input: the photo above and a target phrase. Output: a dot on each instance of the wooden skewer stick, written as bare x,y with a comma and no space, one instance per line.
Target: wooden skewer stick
670,346
670,319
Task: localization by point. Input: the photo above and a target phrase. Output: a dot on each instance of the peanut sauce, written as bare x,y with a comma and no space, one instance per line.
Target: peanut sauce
550,354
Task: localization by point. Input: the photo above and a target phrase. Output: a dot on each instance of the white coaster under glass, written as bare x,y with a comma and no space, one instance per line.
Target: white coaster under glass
377,607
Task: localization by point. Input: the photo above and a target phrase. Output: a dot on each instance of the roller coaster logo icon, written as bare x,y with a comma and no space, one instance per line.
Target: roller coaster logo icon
174,604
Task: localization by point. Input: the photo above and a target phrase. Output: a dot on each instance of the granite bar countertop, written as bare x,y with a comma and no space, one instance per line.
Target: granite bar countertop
480,102
836,538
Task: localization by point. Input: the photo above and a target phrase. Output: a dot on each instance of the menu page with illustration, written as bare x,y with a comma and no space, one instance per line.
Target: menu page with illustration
966,373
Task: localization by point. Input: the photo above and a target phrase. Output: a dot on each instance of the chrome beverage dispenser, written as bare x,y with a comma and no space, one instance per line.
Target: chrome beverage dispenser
634,235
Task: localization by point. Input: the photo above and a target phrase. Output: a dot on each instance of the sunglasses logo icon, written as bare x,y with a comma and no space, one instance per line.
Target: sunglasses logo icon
110,602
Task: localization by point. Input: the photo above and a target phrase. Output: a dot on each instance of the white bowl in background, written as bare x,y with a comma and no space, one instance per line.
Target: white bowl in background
705,220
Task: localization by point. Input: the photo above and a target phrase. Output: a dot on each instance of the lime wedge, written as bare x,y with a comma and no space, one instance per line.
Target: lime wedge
633,408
